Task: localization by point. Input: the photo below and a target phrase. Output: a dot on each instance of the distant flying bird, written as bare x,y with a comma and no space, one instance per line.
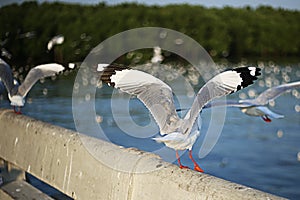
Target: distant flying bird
157,96
17,93
157,57
59,39
5,53
256,107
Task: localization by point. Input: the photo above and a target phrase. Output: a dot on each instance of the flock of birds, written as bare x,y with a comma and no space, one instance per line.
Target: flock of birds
176,133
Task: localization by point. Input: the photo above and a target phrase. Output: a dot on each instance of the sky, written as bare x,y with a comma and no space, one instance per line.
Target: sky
287,4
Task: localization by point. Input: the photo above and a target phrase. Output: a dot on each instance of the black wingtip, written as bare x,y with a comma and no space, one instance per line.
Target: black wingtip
248,75
109,70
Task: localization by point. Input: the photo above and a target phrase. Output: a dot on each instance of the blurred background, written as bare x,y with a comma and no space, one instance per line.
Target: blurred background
251,152
230,33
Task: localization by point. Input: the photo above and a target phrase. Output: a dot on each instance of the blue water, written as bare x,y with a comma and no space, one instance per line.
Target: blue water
249,151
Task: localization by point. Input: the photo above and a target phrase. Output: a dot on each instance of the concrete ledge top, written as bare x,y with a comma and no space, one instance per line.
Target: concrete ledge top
58,157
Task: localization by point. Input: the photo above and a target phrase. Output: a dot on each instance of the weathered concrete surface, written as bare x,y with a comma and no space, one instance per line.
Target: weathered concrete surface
58,157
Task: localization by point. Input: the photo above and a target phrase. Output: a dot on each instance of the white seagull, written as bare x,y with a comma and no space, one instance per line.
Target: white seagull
256,107
59,39
16,92
157,57
157,96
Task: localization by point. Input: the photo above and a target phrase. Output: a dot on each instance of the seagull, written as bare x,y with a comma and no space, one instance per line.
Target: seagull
256,107
177,133
157,57
16,92
59,39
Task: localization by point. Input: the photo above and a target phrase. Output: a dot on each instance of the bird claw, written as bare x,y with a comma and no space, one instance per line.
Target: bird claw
183,167
198,169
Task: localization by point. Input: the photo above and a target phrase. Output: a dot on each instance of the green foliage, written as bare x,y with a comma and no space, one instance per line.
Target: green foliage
227,32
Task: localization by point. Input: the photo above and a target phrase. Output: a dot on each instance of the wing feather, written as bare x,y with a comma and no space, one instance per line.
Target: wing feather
36,73
273,93
222,84
156,95
6,75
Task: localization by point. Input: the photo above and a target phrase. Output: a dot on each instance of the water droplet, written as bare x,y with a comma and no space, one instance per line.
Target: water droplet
21,69
268,82
93,81
252,93
85,82
268,70
276,82
286,78
83,36
297,108
298,156
261,83
295,93
99,84
88,97
276,70
130,55
45,91
279,133
288,69
242,95
99,119
29,100
163,34
178,41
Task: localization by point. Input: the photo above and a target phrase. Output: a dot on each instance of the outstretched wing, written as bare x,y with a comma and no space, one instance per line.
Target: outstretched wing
37,73
228,103
224,83
6,75
156,95
268,112
273,93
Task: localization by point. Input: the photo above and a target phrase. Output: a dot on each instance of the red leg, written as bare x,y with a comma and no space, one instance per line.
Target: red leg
17,111
266,118
196,166
180,165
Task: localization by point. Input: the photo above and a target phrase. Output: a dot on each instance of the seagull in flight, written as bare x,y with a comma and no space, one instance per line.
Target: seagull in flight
16,92
157,57
256,107
58,39
177,133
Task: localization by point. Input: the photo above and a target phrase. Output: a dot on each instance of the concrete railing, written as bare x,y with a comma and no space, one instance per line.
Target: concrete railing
58,157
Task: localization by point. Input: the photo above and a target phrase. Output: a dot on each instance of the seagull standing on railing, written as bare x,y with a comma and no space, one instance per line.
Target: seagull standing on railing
177,133
256,107
17,93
